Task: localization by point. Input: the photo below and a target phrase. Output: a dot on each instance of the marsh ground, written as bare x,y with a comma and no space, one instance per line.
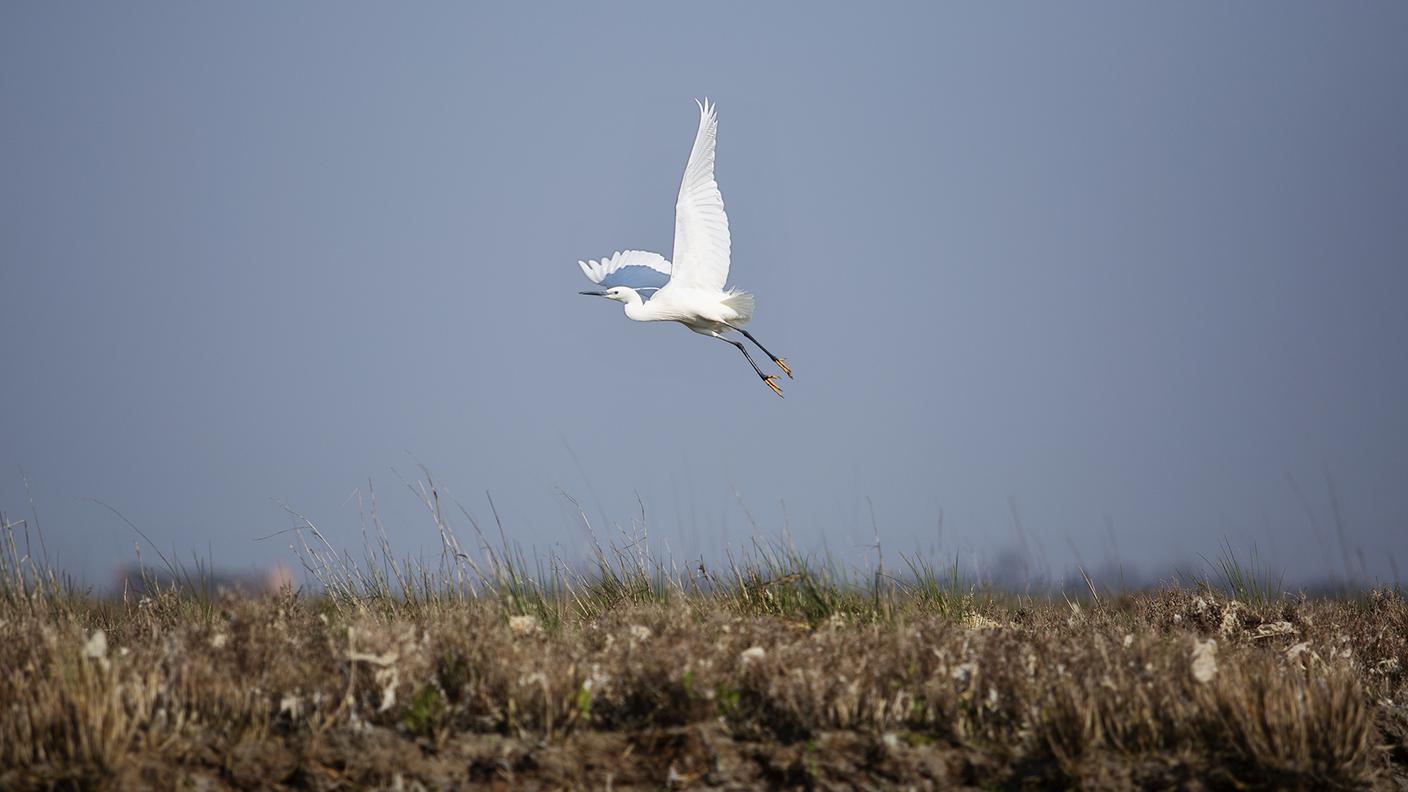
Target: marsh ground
770,684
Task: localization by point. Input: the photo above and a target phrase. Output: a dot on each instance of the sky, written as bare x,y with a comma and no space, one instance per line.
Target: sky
1109,282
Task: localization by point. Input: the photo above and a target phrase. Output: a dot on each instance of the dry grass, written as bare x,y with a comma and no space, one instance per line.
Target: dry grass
777,672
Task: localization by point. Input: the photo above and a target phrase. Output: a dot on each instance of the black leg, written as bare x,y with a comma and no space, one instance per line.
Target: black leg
782,364
767,378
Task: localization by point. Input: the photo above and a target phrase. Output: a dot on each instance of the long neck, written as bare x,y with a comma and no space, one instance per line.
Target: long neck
635,306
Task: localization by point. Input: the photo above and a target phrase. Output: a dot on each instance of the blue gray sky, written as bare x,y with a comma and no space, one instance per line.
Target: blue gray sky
1130,268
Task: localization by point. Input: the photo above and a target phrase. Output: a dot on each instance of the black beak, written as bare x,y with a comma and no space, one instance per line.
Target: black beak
594,294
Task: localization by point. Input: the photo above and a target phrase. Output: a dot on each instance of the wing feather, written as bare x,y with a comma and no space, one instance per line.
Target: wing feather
598,271
702,243
641,270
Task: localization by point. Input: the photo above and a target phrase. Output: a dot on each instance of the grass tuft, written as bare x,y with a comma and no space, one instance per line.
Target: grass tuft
1252,582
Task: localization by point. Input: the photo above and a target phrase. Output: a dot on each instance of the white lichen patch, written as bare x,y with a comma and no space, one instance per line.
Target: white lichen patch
977,621
291,705
1272,629
963,672
96,648
1231,620
523,626
1204,665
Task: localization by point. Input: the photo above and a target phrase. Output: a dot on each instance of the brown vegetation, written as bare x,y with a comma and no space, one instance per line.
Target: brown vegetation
1173,689
772,674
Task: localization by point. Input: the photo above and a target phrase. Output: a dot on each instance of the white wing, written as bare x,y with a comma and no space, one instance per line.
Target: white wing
597,271
701,227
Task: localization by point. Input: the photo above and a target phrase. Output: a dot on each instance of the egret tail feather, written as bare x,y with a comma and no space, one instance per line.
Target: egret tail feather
742,303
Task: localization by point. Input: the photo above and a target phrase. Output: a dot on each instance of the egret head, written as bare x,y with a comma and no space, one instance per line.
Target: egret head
621,294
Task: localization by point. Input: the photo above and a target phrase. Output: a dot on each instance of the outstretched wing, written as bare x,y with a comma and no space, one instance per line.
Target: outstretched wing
701,227
641,270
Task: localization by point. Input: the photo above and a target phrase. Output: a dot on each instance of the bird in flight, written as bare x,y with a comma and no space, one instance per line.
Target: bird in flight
691,290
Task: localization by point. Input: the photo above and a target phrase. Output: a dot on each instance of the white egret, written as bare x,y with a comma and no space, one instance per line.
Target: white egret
691,290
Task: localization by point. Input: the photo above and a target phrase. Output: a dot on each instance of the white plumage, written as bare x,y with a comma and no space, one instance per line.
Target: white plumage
599,271
691,289
701,226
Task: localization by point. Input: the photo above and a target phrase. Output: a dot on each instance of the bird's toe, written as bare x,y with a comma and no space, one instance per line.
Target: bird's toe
782,364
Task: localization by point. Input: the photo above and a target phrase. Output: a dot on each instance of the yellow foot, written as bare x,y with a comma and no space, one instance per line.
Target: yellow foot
768,380
782,364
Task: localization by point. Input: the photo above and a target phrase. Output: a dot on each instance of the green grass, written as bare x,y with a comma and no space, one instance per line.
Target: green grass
1252,582
767,579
